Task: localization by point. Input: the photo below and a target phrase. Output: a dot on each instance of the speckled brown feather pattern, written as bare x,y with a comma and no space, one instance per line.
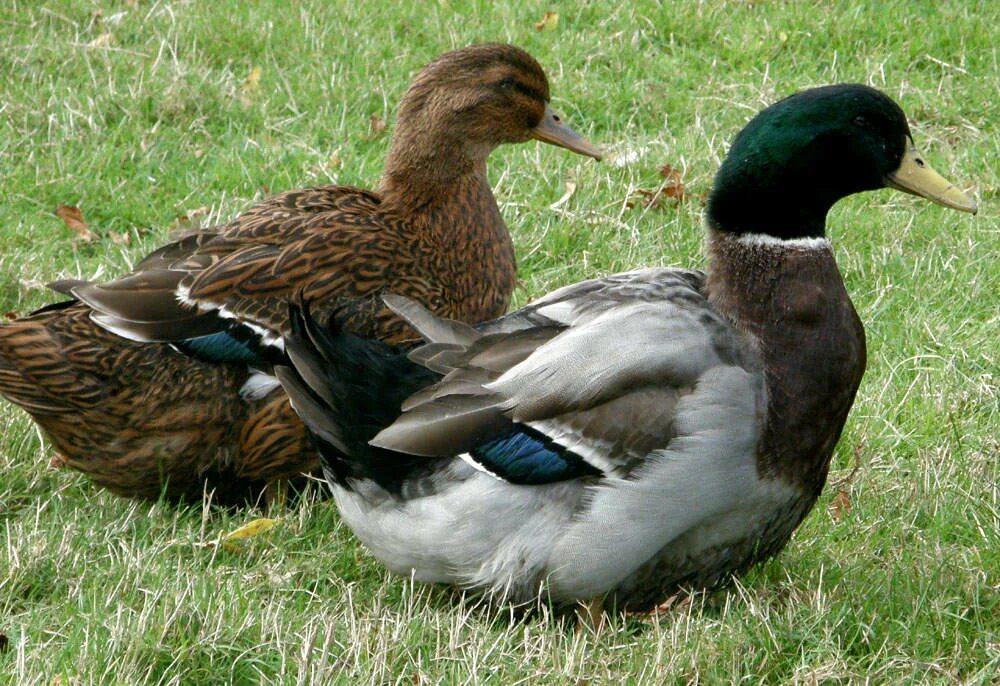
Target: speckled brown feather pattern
67,372
135,416
358,249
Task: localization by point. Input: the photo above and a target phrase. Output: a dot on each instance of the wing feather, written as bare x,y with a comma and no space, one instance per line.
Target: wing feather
595,371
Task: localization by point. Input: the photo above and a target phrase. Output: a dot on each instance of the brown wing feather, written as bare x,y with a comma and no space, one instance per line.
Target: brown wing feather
170,423
140,417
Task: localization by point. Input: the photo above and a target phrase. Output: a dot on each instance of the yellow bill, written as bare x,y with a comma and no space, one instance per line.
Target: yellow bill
915,176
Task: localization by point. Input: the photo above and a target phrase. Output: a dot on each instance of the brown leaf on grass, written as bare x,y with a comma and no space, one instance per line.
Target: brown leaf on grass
549,22
669,172
672,604
73,219
840,506
671,191
655,200
250,88
672,186
377,124
10,315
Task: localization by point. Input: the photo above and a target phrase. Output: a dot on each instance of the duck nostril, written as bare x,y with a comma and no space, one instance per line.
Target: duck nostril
555,117
919,162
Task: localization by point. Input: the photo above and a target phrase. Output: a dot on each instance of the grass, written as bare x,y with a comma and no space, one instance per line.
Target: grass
141,112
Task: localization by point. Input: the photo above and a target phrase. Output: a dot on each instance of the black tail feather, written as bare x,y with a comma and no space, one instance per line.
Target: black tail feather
346,389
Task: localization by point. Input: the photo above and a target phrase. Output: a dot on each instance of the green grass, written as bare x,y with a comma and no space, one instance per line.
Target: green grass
135,112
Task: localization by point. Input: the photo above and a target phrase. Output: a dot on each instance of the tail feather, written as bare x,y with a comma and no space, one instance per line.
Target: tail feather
431,328
346,389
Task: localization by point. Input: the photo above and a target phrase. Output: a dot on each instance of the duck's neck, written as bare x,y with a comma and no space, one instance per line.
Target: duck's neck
440,188
789,296
759,203
425,166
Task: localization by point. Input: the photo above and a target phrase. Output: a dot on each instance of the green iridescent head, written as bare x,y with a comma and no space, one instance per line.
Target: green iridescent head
798,157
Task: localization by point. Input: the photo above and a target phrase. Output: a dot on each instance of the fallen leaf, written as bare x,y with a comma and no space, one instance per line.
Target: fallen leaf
121,238
840,506
654,200
231,542
73,219
377,124
10,315
548,23
57,461
669,172
672,188
570,190
250,87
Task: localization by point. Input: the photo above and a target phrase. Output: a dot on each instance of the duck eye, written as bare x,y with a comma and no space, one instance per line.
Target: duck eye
506,82
861,121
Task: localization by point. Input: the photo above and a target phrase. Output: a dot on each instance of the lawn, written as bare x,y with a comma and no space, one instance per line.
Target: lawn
150,116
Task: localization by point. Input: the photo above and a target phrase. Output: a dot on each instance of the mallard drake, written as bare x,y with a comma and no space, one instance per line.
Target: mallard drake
158,382
623,438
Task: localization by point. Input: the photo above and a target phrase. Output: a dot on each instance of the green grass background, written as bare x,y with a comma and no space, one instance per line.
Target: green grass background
137,113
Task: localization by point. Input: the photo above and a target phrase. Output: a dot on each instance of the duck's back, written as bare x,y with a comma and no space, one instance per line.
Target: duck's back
336,245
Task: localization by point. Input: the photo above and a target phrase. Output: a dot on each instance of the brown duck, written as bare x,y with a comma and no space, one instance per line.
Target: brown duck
158,382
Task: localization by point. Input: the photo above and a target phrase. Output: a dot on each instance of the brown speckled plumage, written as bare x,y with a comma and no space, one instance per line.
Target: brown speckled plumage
119,411
141,417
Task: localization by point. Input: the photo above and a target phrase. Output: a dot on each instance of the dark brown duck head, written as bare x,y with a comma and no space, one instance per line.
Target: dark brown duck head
463,105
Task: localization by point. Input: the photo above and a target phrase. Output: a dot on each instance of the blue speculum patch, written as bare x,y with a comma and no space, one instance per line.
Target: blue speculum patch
528,458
